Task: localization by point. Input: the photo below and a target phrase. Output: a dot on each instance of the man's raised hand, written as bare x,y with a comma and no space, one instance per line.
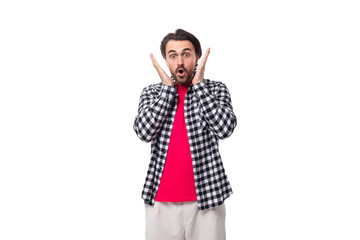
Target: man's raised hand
199,75
165,79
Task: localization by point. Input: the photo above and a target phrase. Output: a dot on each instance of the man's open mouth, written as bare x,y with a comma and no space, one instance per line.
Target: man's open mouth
181,72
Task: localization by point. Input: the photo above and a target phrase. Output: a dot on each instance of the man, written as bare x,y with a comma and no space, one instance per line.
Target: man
183,117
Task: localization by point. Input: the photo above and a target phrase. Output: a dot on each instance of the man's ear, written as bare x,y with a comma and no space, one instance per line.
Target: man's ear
196,61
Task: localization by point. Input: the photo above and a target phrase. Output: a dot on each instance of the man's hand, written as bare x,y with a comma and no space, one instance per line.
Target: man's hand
165,79
199,75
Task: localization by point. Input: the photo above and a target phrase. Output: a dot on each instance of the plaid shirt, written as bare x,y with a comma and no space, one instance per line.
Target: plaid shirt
209,117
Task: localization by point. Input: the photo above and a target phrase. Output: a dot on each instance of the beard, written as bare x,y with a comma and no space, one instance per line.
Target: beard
182,75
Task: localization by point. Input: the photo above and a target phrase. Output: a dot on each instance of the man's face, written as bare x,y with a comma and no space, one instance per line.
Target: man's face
181,60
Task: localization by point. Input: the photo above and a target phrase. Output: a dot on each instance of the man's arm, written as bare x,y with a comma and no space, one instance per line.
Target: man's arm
217,108
154,105
153,108
216,105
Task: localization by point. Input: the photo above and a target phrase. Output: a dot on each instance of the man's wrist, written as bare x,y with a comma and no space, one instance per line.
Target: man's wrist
168,84
198,81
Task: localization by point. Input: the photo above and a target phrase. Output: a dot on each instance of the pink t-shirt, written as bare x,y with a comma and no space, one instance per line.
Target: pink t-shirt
177,183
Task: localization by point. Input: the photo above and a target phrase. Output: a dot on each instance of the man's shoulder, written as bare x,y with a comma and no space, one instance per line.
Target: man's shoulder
214,85
152,89
153,86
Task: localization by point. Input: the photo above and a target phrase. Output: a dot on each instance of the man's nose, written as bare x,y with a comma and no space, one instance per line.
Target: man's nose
180,61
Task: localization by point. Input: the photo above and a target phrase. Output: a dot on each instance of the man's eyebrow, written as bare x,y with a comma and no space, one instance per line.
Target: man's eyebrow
185,49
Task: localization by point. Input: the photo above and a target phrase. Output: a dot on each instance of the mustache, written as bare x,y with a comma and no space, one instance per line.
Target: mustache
181,67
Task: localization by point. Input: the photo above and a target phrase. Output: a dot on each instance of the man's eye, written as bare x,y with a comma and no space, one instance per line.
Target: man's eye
172,55
186,54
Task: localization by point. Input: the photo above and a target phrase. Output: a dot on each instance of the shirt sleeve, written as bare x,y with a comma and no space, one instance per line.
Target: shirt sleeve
153,109
217,108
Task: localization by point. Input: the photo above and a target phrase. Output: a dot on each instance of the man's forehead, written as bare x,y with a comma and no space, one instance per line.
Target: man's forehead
179,45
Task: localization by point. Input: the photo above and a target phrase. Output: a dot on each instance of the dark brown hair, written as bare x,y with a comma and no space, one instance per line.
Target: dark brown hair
181,35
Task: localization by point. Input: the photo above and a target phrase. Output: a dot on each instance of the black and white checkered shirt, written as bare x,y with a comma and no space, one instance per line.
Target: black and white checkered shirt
209,117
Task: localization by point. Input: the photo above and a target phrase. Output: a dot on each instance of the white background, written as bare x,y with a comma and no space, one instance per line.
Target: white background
71,75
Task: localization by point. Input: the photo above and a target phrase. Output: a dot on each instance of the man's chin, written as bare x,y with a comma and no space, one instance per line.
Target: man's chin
183,81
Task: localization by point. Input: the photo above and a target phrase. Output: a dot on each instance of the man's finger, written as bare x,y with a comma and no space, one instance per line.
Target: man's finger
153,60
203,62
155,63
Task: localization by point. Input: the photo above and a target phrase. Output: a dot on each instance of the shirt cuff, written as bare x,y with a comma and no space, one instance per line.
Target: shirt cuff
167,91
200,89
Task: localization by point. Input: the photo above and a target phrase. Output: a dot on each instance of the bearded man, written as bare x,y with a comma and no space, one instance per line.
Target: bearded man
184,117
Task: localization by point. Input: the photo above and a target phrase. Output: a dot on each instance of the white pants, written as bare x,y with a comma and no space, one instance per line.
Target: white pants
183,221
